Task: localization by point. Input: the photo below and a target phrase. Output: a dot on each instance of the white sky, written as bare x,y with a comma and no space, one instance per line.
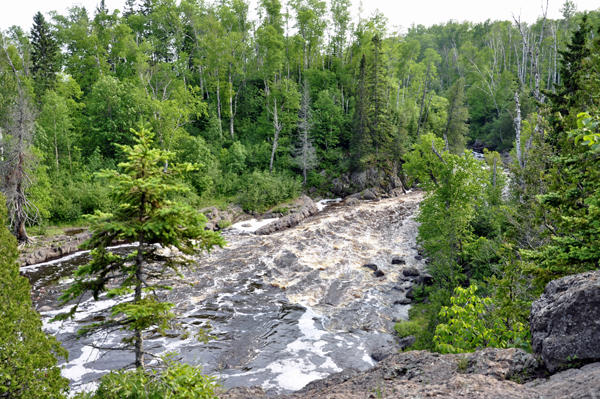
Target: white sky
399,12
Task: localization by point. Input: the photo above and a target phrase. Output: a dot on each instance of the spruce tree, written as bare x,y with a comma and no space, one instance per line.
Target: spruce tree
378,112
458,114
360,139
44,55
27,355
567,98
148,217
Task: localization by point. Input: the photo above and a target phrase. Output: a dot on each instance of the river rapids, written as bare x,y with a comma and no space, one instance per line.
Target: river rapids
286,309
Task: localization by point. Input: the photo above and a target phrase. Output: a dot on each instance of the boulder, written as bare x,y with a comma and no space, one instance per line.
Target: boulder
396,260
425,278
307,209
378,273
411,271
407,342
565,320
351,202
369,195
371,266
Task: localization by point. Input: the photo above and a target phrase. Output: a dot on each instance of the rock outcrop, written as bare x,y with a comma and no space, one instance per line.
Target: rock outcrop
487,374
51,248
565,321
370,184
307,209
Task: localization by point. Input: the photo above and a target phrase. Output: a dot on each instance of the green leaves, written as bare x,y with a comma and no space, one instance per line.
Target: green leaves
28,357
470,325
584,131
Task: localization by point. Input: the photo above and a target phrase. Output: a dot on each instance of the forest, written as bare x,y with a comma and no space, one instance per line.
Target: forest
270,108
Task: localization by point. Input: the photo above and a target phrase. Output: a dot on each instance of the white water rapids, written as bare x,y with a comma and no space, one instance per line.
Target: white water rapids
286,309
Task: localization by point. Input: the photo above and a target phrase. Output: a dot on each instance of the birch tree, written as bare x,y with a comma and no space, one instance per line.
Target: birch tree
305,154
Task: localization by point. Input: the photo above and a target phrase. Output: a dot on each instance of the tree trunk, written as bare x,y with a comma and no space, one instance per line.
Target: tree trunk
277,126
423,99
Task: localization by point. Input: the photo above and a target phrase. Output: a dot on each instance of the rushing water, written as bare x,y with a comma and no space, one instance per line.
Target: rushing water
286,309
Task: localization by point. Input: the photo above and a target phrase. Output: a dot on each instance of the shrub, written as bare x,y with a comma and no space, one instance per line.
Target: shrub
470,326
177,381
261,190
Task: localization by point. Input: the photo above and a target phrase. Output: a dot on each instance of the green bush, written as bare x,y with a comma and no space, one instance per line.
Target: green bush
470,326
177,381
261,190
406,328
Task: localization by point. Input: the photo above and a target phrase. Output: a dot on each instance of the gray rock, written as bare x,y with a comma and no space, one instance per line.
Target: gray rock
396,260
403,301
369,195
425,278
407,342
371,266
378,273
381,353
565,321
351,202
411,271
307,209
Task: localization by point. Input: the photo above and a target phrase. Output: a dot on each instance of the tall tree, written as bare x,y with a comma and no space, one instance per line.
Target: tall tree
148,217
28,357
360,141
378,113
458,114
44,54
305,155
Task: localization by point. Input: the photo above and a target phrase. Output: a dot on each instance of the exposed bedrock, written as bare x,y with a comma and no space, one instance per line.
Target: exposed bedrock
565,321
487,374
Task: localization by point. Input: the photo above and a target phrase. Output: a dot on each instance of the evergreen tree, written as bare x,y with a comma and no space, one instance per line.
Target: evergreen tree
360,139
44,54
27,356
148,217
458,114
568,96
378,113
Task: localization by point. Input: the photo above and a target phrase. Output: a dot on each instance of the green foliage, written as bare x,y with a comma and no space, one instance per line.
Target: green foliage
146,215
262,190
469,326
176,381
573,205
28,357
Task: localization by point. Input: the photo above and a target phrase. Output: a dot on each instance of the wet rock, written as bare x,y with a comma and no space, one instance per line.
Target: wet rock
396,260
381,353
371,266
52,248
565,321
418,257
335,293
246,225
411,271
378,273
424,279
410,294
403,301
351,202
46,309
307,209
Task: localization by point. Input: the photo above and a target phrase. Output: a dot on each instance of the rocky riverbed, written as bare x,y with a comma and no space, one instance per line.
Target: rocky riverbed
287,308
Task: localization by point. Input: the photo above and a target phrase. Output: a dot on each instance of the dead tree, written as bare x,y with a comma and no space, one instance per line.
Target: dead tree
305,154
17,160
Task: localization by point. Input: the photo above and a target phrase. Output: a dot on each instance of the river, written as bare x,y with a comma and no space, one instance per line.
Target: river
286,309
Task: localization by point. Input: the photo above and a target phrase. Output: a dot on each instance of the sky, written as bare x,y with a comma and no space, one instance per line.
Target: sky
401,13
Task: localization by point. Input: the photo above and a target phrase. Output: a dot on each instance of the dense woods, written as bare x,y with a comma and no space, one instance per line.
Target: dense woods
263,106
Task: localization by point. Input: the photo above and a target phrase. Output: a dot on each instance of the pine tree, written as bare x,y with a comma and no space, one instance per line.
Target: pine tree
360,141
44,55
378,113
27,355
145,216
